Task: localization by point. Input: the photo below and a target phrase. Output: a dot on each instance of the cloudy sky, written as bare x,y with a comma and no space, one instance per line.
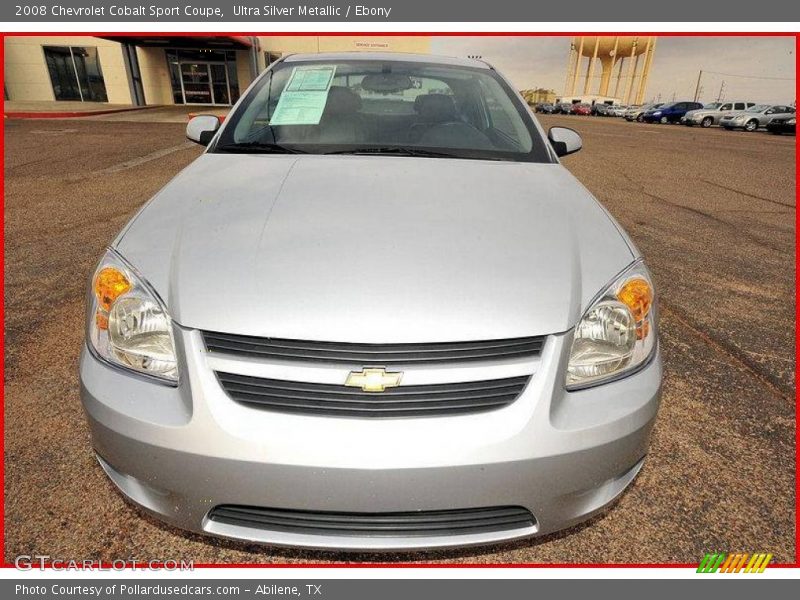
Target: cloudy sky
532,62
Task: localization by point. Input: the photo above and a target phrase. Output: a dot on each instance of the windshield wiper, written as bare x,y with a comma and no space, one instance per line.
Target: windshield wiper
399,151
256,148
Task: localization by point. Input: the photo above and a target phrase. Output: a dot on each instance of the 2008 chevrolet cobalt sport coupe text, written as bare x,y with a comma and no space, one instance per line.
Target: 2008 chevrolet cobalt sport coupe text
376,313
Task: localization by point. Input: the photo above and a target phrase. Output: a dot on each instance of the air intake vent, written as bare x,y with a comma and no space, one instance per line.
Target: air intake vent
398,525
384,355
403,401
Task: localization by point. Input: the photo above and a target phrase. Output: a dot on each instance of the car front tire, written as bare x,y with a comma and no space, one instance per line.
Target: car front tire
707,122
663,120
639,119
751,125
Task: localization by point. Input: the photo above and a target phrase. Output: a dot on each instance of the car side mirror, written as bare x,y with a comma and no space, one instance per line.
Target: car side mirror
564,140
201,129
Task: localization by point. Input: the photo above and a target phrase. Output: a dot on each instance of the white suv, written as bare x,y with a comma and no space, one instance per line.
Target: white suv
711,113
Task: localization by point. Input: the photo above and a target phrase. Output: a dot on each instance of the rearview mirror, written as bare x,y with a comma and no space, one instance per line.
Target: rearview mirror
201,129
386,83
564,140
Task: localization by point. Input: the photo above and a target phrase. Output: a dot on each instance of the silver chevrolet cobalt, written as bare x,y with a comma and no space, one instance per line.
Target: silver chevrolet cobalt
377,313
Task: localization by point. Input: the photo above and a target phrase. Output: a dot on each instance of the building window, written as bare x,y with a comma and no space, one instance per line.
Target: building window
203,76
75,73
271,57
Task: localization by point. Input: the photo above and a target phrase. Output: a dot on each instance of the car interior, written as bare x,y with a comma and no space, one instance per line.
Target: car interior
378,110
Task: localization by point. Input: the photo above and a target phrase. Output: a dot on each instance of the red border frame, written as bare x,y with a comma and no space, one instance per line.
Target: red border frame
106,566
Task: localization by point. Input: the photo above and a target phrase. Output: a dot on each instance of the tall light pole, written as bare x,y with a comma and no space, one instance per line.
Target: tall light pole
697,87
721,89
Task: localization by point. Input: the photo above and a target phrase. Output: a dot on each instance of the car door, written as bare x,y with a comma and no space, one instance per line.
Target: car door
783,112
768,115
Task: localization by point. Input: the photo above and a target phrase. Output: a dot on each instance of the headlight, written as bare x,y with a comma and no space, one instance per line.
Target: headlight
791,121
127,323
617,334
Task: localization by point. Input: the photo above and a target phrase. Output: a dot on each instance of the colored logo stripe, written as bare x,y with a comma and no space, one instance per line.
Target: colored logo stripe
734,563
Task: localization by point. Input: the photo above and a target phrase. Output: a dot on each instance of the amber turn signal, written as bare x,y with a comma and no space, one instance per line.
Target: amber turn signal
109,285
637,295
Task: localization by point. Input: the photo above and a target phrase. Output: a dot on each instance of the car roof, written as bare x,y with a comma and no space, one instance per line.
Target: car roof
390,56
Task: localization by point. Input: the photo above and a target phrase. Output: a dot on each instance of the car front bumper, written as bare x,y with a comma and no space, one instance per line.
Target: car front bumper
178,452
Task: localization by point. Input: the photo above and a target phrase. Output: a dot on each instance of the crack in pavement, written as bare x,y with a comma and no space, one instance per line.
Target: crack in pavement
696,211
129,164
735,354
749,195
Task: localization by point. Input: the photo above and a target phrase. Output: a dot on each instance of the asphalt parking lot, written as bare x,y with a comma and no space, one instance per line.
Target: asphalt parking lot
712,211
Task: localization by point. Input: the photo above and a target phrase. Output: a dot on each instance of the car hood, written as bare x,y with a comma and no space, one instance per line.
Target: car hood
374,249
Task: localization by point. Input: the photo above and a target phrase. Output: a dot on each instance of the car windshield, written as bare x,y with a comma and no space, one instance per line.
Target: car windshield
667,105
404,108
712,105
758,108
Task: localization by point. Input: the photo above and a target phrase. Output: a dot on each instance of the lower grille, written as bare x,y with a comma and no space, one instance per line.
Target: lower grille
397,524
403,401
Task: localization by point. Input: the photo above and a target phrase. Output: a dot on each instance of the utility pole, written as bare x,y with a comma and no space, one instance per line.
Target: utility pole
721,89
697,87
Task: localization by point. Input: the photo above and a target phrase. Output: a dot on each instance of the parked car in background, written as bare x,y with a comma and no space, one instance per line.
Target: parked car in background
601,110
636,113
780,125
670,113
711,113
617,111
756,116
545,107
562,108
580,109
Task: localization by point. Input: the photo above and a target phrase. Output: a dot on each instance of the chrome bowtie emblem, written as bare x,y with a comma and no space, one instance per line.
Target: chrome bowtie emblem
373,380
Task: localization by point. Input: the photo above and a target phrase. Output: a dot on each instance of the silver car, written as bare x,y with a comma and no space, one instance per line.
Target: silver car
756,116
377,313
636,113
711,113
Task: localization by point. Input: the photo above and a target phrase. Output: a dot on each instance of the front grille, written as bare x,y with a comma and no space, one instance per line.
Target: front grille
402,401
371,354
397,524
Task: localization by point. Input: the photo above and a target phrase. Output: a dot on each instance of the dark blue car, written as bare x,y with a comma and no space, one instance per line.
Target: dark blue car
670,113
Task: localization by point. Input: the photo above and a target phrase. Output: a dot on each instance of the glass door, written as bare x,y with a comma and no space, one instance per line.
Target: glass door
205,83
196,83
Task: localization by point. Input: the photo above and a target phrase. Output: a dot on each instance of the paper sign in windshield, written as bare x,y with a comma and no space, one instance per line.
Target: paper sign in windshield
303,100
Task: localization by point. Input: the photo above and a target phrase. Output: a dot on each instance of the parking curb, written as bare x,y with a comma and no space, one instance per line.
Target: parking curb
68,114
